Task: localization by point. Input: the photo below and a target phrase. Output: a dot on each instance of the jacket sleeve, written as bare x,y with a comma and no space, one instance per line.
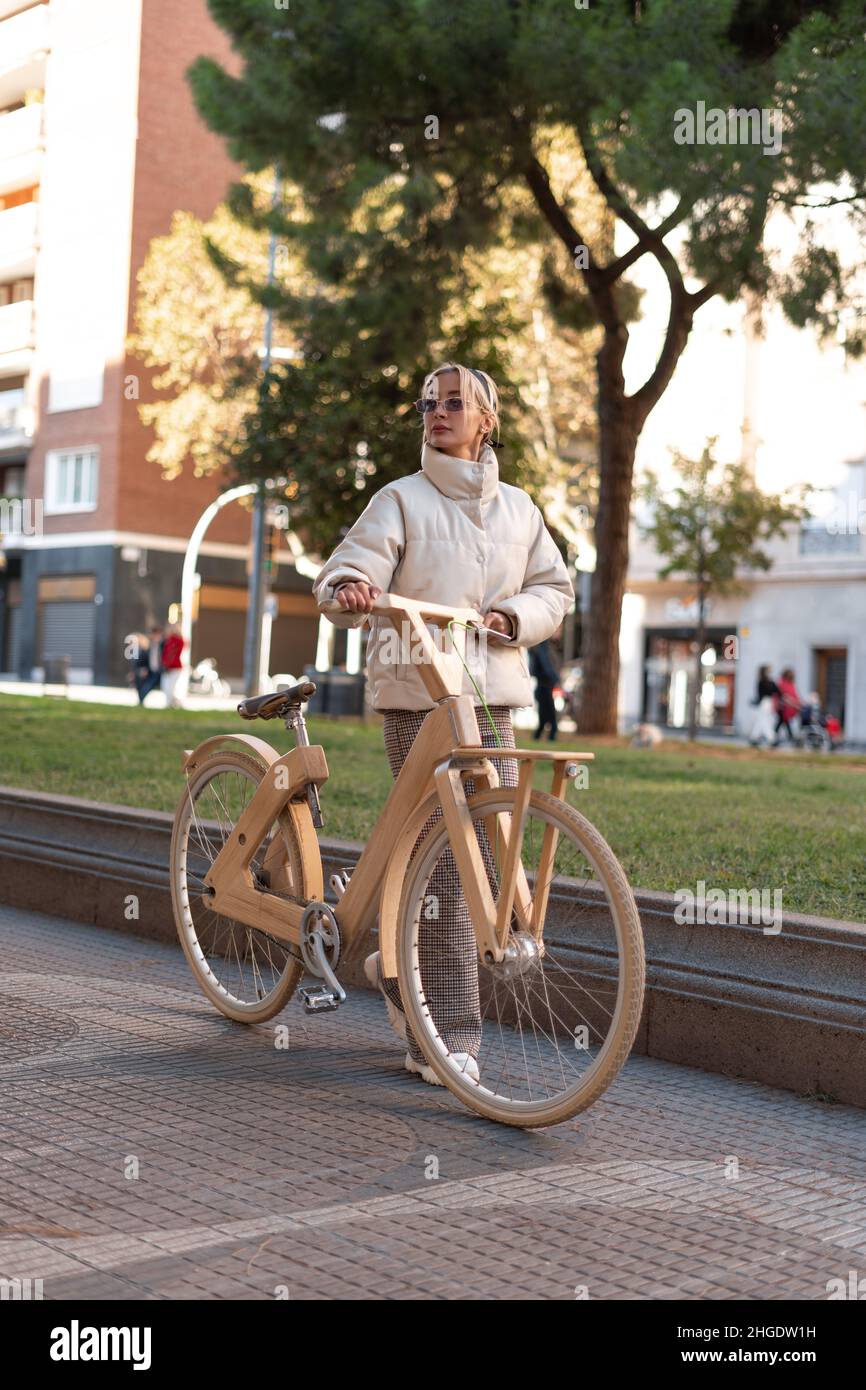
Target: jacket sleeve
370,552
547,592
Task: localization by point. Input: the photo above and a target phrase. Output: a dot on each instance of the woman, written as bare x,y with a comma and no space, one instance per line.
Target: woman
788,704
765,695
451,533
172,665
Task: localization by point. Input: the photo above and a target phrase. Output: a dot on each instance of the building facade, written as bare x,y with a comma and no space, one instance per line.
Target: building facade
99,145
792,408
808,612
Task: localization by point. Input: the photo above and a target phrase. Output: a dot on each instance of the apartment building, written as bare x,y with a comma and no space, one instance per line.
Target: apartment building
99,145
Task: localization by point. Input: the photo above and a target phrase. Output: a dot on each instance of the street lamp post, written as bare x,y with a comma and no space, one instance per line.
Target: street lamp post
190,561
256,604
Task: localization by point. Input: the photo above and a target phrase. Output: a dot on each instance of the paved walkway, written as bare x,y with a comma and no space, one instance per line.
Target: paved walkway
152,1149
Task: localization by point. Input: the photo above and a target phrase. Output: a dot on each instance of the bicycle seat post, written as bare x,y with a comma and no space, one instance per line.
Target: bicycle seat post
296,724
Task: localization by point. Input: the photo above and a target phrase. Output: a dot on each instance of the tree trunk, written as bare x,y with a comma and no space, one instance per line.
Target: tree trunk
700,642
617,443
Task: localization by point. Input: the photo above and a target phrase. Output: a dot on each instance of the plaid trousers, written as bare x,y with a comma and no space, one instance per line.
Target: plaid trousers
447,948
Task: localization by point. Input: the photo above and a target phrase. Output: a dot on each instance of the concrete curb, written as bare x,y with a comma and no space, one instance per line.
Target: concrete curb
788,1010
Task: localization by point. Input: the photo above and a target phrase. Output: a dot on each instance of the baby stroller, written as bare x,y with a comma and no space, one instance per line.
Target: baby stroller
818,730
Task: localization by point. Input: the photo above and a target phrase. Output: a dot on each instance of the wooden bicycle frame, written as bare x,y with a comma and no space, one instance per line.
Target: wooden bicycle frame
446,750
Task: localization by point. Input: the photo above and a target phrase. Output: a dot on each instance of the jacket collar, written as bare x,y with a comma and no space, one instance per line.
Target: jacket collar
462,479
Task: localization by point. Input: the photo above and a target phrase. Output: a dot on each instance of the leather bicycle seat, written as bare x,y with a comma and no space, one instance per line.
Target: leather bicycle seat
278,703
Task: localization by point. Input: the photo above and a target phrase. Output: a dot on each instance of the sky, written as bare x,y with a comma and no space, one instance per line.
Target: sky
807,404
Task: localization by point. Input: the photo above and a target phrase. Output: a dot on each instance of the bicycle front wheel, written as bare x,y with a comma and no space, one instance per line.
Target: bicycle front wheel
550,1026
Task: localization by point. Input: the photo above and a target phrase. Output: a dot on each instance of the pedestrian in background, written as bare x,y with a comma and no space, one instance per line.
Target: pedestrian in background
788,705
172,665
148,666
766,693
543,667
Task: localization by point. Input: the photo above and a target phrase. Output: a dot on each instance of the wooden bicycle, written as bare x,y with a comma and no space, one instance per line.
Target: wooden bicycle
560,959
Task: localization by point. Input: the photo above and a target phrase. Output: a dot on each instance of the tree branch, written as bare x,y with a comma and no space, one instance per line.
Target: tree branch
593,274
641,247
679,326
618,203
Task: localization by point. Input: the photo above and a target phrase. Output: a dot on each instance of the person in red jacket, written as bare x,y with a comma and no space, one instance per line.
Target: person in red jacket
788,704
172,665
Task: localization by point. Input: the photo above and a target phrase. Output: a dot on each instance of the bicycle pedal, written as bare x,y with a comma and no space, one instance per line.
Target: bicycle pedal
318,999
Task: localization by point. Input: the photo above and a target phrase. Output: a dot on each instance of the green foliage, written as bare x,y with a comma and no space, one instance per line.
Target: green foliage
710,526
343,96
406,125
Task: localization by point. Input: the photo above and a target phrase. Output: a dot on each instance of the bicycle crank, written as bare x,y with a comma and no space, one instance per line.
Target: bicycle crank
320,950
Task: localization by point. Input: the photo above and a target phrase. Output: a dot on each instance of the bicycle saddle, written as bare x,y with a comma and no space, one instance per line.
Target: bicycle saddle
278,703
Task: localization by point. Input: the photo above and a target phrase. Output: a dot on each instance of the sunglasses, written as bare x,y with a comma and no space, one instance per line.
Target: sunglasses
428,403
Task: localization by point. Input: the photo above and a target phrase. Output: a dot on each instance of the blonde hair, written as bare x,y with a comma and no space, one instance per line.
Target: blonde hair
471,391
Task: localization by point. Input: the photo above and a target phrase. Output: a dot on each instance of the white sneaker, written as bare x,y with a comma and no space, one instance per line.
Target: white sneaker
463,1062
372,976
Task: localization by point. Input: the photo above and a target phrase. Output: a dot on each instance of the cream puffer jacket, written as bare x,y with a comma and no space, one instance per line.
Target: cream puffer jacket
452,533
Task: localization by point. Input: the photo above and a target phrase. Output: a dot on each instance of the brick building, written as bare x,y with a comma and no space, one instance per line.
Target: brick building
99,145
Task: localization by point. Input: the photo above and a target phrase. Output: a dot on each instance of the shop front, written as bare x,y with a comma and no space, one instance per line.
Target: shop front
669,673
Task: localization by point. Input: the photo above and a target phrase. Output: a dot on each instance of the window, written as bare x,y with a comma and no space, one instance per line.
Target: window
833,536
13,483
70,480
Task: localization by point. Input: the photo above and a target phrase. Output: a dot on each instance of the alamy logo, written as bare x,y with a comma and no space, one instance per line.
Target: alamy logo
404,648
737,126
851,521
21,516
854,1289
717,907
76,1343
22,1289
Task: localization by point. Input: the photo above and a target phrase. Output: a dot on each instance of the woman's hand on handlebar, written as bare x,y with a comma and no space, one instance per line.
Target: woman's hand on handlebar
499,622
357,597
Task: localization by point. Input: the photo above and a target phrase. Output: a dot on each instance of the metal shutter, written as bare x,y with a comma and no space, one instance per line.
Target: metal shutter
68,629
13,631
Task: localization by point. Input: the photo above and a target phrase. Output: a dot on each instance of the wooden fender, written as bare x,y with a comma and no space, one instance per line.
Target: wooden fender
257,746
297,811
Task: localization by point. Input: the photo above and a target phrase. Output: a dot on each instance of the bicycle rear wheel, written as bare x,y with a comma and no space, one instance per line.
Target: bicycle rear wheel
247,973
557,1019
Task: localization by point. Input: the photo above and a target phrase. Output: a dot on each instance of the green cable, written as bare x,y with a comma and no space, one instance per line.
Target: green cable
496,848
493,727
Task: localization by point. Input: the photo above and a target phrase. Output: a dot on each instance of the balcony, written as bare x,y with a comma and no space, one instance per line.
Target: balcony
16,420
21,131
24,37
18,228
16,328
23,48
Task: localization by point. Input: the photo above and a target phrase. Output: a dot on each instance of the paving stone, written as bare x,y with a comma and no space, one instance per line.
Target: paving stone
152,1149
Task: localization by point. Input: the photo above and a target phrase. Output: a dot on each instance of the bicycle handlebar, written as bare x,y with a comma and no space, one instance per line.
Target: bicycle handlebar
396,605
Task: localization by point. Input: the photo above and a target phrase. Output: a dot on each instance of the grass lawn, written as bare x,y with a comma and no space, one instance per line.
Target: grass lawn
673,815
